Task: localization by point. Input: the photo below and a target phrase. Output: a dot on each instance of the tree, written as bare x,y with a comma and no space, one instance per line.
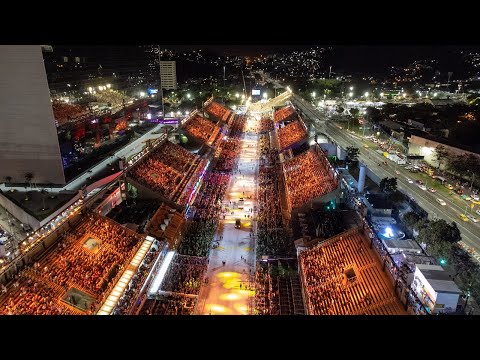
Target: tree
373,114
352,153
410,219
29,177
340,109
441,155
354,112
388,185
8,179
439,231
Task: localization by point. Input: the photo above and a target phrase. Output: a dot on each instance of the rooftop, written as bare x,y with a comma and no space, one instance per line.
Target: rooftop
379,201
438,278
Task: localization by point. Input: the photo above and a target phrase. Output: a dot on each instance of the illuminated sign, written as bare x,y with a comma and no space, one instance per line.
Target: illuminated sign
152,91
255,92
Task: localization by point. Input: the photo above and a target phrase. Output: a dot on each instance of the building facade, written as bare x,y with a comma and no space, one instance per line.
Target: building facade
168,75
435,289
28,135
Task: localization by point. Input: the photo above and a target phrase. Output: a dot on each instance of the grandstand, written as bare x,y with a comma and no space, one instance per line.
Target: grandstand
343,276
202,129
76,276
291,134
64,112
308,177
166,224
283,114
169,173
219,112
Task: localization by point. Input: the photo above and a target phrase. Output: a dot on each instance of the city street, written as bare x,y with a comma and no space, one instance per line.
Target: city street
470,231
232,263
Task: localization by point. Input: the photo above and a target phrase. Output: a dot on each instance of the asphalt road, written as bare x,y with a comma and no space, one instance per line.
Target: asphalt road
470,231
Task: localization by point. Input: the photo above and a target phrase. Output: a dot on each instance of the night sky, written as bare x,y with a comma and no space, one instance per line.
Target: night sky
375,59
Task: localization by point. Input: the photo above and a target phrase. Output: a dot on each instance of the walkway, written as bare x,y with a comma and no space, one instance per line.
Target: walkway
227,291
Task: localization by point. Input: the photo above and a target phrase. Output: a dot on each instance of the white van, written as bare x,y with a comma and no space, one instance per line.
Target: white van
441,202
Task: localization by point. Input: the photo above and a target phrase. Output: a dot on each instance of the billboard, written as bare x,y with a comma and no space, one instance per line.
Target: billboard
255,92
152,91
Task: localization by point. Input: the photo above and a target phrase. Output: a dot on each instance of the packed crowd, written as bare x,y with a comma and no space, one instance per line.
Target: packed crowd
307,177
207,205
265,125
185,274
266,298
201,128
208,202
64,112
176,156
228,155
163,170
283,113
71,264
76,266
238,126
270,211
328,275
291,134
217,110
32,297
172,304
112,97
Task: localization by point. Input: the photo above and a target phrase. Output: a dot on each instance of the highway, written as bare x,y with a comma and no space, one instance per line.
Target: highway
470,231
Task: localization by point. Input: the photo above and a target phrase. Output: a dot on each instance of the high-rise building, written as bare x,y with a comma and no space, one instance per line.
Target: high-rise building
168,75
28,136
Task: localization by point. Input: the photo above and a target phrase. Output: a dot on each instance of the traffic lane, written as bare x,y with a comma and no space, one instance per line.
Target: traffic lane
423,198
468,230
459,208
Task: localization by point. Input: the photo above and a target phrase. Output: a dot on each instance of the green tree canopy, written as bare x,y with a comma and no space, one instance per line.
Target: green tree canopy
388,185
352,153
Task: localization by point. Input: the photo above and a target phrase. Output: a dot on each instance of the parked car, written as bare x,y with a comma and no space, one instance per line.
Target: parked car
419,182
463,217
449,186
423,187
478,211
475,197
410,181
441,202
432,190
466,197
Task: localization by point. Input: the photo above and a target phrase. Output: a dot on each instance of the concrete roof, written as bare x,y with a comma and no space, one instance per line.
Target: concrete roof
438,278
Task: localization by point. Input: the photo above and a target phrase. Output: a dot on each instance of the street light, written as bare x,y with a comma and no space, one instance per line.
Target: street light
351,88
366,94
350,94
237,95
265,95
381,94
109,86
313,94
189,96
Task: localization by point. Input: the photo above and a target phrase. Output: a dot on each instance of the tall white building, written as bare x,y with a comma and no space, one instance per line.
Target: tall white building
28,135
168,74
